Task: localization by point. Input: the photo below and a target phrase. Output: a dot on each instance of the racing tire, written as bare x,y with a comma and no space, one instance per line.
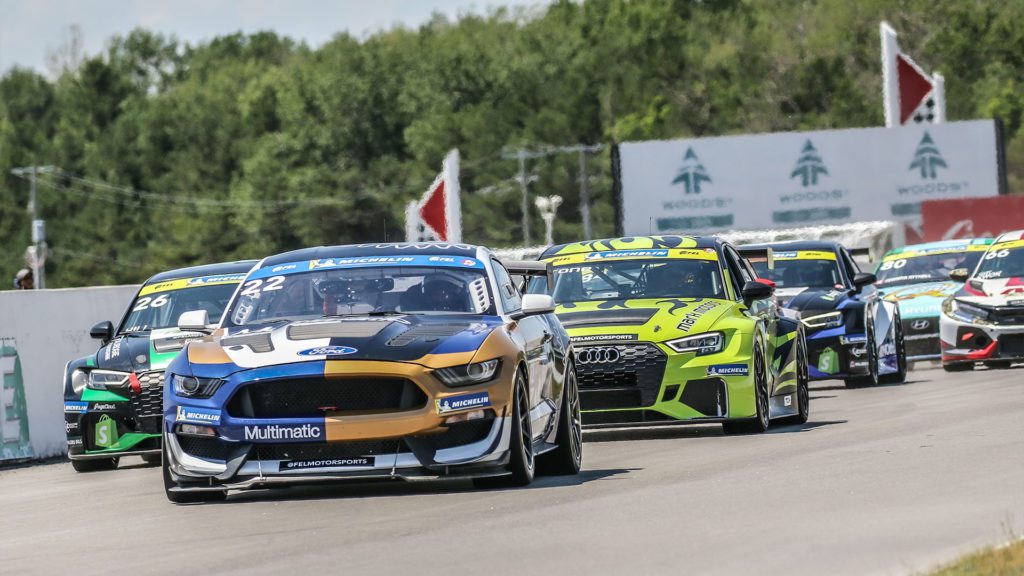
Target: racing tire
900,376
958,366
522,464
998,364
871,379
759,423
803,390
185,497
96,465
152,459
567,459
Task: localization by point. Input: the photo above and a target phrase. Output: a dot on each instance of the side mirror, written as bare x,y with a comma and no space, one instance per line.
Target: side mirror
863,279
194,321
756,290
534,304
766,281
103,331
959,274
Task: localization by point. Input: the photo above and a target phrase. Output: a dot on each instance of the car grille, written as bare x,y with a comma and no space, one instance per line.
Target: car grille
620,375
921,336
1008,316
148,404
1011,345
313,397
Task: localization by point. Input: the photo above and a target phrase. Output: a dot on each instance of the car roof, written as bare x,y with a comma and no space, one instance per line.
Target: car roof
820,245
236,267
632,243
381,249
941,244
1010,236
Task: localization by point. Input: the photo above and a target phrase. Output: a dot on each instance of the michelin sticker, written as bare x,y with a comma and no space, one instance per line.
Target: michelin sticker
627,254
328,351
197,415
728,370
462,402
75,407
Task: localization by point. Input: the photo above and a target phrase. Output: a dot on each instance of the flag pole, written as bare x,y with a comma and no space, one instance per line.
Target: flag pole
939,95
890,87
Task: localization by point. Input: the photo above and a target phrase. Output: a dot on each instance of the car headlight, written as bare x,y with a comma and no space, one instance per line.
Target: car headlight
192,387
702,344
830,320
965,312
79,380
468,374
105,379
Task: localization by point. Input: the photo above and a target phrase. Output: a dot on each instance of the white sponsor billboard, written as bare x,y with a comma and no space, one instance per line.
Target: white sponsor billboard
793,179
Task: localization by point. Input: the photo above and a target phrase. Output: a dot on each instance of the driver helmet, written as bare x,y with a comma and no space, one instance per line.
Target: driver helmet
443,294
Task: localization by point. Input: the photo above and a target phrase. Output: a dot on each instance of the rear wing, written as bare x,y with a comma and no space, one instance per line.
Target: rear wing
865,252
766,253
531,268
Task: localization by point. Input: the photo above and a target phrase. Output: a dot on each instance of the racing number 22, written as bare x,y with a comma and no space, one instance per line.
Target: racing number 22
253,288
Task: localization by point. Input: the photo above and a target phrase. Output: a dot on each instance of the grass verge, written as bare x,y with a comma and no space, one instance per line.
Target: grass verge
1005,560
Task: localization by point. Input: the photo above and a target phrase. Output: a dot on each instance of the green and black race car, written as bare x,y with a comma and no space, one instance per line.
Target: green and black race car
113,399
672,329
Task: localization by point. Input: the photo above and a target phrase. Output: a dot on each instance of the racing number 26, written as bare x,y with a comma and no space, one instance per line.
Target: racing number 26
149,302
252,288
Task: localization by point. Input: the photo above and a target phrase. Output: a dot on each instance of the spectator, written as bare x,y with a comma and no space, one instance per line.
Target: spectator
23,280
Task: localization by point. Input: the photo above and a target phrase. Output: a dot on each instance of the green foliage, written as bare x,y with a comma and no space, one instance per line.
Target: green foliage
236,136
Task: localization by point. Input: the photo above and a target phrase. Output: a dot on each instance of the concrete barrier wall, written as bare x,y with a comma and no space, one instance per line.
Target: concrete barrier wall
40,331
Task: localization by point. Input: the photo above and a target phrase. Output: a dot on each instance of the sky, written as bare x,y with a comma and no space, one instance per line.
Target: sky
29,28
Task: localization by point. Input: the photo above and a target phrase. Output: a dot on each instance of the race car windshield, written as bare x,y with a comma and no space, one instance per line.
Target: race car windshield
361,291
1001,263
151,311
804,273
631,279
895,270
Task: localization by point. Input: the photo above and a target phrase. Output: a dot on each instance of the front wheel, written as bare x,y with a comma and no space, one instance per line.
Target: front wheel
871,379
185,497
803,392
521,465
567,459
759,423
998,364
900,376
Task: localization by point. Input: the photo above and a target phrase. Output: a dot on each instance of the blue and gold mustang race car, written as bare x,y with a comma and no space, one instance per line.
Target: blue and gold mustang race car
404,361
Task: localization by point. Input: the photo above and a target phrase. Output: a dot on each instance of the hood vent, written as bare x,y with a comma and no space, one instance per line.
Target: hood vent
427,332
258,341
613,317
364,328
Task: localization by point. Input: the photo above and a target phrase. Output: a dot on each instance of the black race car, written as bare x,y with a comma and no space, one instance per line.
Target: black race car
851,334
113,399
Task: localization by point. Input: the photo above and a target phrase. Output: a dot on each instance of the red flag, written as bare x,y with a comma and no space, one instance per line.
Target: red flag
433,211
914,87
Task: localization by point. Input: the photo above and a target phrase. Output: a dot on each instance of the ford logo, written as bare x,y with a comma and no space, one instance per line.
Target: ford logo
597,356
921,324
328,351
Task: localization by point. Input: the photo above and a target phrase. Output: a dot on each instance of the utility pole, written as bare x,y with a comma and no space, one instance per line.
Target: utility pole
38,227
524,154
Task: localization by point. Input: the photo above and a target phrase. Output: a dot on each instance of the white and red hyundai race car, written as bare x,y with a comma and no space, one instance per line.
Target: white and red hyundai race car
984,320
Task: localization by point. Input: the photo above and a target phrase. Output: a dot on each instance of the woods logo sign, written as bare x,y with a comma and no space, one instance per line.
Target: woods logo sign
927,158
692,174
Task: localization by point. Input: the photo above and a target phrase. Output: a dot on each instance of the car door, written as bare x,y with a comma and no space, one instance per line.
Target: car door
538,342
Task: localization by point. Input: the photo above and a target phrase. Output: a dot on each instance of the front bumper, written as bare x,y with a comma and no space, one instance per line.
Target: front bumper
645,383
832,353
412,441
104,424
964,342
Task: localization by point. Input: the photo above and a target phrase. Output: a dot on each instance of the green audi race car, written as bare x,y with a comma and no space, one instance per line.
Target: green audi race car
673,329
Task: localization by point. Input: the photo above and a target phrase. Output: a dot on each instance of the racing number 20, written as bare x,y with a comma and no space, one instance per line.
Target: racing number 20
252,288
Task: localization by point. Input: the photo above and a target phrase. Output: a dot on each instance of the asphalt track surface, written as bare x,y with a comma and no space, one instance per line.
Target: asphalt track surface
889,480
